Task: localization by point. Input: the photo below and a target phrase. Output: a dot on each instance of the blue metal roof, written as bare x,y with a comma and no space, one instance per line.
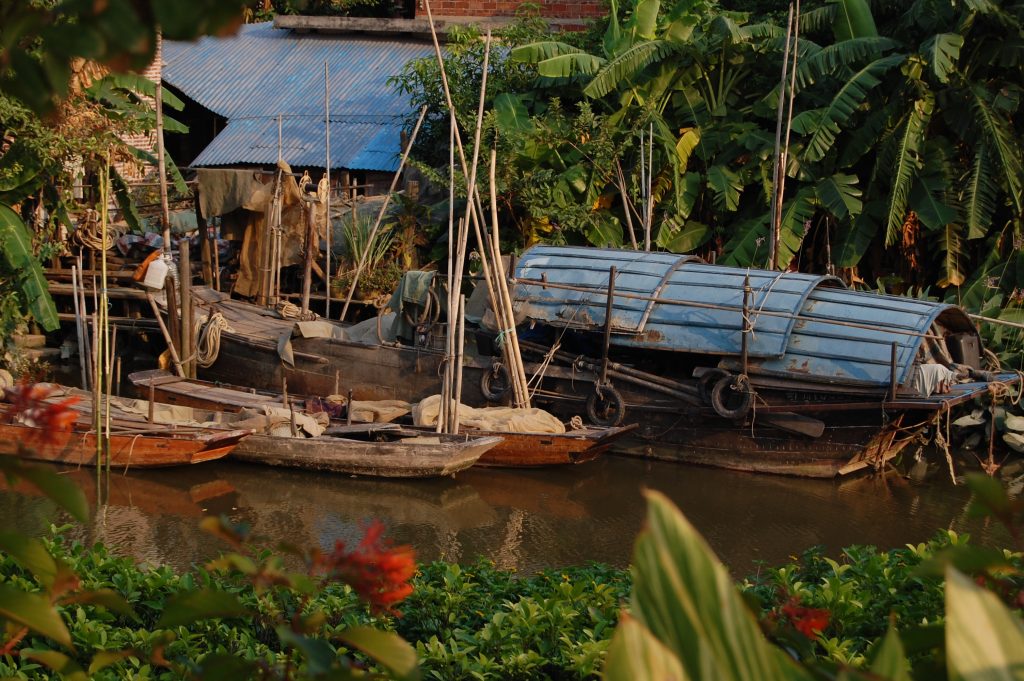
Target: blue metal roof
711,325
805,327
262,72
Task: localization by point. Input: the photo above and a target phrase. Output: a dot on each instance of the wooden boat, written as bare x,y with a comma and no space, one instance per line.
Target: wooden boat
420,456
774,372
133,445
516,450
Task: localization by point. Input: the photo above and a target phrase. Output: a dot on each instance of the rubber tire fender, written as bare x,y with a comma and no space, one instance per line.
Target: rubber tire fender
707,382
720,394
612,397
496,375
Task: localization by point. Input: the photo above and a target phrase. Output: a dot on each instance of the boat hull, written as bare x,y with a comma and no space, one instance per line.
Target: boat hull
137,450
534,450
408,458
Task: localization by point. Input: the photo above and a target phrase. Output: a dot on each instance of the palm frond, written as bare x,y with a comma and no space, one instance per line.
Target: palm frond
909,146
626,66
688,141
866,136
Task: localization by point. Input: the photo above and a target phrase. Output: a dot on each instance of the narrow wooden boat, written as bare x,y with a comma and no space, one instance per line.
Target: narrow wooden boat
134,446
422,456
516,450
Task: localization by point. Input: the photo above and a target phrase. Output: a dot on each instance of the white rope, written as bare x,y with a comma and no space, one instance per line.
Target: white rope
289,310
207,334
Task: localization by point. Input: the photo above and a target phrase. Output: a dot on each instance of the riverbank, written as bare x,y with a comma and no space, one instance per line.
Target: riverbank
479,622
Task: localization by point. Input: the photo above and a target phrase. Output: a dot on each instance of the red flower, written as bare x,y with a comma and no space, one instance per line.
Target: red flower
378,572
29,405
808,621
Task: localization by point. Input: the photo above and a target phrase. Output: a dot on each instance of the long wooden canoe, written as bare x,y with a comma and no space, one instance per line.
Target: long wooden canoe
516,450
413,457
137,448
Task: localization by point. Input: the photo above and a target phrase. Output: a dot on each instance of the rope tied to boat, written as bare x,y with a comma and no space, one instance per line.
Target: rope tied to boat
89,232
289,310
207,334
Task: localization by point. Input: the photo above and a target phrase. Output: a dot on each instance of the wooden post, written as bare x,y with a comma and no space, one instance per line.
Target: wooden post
79,328
206,255
461,320
171,294
185,281
348,409
152,397
168,336
327,175
606,345
165,213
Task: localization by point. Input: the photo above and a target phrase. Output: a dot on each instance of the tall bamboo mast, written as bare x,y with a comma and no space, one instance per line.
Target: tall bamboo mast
327,201
774,237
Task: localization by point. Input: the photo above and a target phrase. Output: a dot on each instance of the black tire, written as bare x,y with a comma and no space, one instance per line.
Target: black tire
495,383
706,382
605,407
732,397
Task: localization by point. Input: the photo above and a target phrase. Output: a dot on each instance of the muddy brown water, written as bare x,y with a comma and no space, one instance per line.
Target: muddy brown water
523,520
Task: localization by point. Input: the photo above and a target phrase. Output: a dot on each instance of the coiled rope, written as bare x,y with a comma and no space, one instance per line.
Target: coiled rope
289,310
207,334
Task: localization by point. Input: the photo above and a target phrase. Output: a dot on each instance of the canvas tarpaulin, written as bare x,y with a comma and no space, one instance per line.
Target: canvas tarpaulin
224,190
498,419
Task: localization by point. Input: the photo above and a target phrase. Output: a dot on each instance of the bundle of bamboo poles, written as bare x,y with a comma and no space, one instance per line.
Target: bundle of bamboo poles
493,269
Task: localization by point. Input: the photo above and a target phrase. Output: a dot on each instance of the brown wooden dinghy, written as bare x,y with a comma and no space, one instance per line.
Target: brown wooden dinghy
132,445
516,450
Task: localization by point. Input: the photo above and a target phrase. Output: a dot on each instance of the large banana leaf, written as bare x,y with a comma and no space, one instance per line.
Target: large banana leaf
569,65
830,60
16,245
623,69
852,19
942,52
511,113
686,598
534,53
824,124
634,653
979,195
840,195
749,243
796,216
682,237
726,186
951,246
854,242
644,21
1002,139
907,162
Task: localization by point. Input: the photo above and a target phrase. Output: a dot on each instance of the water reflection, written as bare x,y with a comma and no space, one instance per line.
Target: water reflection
522,520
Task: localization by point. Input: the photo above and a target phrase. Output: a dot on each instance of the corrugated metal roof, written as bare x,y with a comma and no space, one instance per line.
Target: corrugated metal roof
805,327
262,72
658,325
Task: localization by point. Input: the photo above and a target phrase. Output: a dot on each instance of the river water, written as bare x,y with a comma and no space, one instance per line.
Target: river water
524,520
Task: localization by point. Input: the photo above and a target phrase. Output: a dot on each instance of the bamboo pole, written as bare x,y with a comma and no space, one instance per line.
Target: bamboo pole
79,328
649,218
380,214
311,239
774,238
87,341
103,351
516,371
328,226
444,413
161,165
784,156
461,321
626,203
166,334
185,282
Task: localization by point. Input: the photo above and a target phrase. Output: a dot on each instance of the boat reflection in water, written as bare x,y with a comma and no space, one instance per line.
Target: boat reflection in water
524,520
